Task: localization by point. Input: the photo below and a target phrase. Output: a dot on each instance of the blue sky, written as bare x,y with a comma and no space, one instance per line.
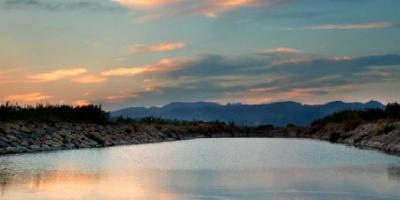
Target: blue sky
141,53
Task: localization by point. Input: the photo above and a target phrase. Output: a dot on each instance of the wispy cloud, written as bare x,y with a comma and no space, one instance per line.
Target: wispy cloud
88,79
52,5
124,71
304,60
145,3
30,97
161,9
121,97
282,50
374,25
56,75
163,66
163,47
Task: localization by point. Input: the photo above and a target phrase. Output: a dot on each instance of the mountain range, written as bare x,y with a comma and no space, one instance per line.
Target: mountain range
277,114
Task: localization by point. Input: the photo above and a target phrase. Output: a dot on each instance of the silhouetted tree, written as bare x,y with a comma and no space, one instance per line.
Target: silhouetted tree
54,113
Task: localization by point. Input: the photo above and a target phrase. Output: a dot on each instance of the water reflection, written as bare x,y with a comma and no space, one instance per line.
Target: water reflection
75,175
201,184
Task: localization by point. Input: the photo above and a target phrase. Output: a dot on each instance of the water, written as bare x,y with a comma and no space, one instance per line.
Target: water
219,169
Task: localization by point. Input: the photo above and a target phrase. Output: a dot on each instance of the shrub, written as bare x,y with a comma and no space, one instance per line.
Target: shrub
392,111
388,128
334,137
54,113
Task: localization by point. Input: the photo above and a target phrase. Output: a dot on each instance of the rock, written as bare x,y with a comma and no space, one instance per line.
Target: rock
3,144
39,133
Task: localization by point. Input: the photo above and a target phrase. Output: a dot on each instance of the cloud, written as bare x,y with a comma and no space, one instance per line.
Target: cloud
282,50
145,3
258,95
161,9
31,97
52,5
301,60
165,65
121,97
265,78
81,102
253,79
56,75
374,25
138,48
88,79
123,71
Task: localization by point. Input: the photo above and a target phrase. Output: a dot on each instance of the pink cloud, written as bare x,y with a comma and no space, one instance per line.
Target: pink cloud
171,8
144,3
30,97
56,75
163,66
88,79
81,102
163,47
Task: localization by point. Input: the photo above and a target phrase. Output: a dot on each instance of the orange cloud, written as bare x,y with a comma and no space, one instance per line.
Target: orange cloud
89,79
138,48
162,66
56,75
121,97
31,97
123,71
166,65
81,102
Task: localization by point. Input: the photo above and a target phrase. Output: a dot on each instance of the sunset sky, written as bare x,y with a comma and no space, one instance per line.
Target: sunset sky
122,53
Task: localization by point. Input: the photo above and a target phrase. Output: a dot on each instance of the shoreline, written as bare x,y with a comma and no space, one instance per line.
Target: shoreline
25,137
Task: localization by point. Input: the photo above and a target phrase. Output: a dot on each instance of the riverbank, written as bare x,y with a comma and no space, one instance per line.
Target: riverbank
381,135
28,137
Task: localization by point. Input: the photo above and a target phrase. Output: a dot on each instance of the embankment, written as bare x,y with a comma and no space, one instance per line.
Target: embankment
27,137
381,135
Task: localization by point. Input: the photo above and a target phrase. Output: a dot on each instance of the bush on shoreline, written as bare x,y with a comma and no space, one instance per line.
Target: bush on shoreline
161,121
391,112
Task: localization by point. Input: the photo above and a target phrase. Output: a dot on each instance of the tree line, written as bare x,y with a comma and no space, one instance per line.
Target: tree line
391,111
54,113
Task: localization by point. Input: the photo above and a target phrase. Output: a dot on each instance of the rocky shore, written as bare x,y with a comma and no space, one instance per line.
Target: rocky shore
27,137
381,135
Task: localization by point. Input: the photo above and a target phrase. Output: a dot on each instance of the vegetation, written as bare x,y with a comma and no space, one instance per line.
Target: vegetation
161,121
391,111
54,113
87,113
388,128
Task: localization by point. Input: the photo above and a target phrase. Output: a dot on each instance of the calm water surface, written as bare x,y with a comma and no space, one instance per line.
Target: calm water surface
219,169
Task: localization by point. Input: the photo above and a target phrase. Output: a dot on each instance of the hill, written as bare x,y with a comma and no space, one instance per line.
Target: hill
277,114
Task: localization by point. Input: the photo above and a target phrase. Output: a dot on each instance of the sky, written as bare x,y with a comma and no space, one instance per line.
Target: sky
122,53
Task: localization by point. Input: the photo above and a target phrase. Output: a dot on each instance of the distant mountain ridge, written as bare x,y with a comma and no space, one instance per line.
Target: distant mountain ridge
277,114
